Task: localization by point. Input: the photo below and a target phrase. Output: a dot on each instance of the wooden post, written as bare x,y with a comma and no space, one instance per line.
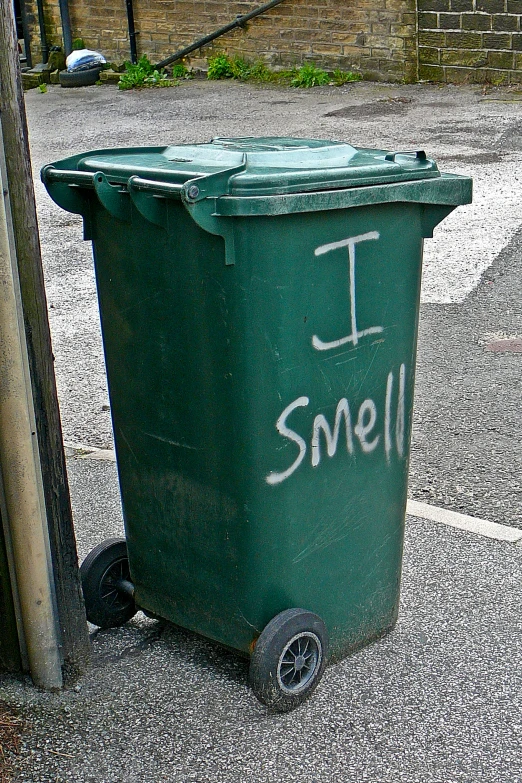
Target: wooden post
73,626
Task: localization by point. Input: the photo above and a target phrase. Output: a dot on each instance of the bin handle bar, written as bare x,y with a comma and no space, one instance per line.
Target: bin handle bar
161,188
419,154
51,174
87,178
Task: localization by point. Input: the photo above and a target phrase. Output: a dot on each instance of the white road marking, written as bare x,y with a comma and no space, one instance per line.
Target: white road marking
482,527
89,452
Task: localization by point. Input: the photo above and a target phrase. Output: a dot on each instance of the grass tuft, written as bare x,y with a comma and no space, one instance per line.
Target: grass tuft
221,66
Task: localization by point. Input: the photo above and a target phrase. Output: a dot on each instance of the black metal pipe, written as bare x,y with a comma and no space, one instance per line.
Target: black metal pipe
240,21
66,26
27,34
132,32
43,35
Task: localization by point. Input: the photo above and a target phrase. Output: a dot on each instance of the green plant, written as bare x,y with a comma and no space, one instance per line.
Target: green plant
142,74
42,87
78,43
310,76
224,67
180,71
343,77
240,69
259,72
220,67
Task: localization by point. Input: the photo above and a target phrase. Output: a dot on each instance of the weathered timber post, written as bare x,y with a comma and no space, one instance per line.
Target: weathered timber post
69,600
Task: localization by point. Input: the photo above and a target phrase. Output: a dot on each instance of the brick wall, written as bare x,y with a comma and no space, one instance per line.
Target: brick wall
470,40
375,36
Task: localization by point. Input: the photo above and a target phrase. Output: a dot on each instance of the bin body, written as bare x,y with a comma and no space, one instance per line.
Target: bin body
260,357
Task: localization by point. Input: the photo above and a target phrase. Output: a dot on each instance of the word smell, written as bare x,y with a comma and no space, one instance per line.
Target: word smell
360,431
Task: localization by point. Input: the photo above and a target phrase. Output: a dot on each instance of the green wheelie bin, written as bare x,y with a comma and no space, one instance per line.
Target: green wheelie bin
259,302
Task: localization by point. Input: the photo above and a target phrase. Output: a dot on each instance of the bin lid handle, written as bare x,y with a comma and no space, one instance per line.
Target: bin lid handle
419,154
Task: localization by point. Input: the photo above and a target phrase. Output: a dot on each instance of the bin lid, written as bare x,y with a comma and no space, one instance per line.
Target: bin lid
269,166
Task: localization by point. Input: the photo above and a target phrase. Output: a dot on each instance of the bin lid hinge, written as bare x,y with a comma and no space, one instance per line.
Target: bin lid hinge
210,185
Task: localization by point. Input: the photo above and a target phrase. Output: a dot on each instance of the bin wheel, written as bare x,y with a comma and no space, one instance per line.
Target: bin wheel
104,574
289,659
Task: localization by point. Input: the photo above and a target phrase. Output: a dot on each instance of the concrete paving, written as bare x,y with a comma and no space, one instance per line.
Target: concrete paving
438,700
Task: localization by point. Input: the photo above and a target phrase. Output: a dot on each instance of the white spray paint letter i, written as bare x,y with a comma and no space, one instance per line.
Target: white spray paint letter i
356,334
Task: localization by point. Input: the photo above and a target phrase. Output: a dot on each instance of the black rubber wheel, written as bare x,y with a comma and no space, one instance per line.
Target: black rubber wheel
80,78
289,659
102,569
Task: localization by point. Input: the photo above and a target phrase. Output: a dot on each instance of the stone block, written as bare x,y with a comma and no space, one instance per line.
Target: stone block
491,6
502,60
328,49
496,41
505,22
431,73
464,57
463,40
380,29
428,56
461,5
428,21
109,76
432,39
433,5
449,21
465,75
404,31
32,80
497,77
516,42
476,21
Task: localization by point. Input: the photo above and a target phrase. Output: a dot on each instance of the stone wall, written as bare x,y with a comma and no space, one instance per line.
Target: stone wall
470,40
374,36
437,40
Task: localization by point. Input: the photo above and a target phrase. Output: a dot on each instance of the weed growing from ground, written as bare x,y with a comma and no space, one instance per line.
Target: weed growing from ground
339,77
310,76
221,66
143,74
180,71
